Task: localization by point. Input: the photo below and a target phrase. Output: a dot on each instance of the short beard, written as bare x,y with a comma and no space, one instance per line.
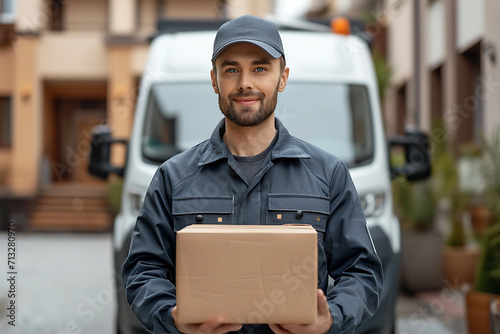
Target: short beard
253,118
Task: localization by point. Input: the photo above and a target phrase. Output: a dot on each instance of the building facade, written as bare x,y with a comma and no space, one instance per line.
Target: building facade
446,71
66,66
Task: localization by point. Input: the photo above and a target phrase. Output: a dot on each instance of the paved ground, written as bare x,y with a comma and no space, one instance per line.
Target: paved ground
434,312
65,285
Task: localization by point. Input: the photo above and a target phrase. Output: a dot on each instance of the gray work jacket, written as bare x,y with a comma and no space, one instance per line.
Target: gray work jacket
206,182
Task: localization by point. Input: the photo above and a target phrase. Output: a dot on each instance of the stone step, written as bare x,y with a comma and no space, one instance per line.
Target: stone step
71,207
76,206
71,225
71,200
75,190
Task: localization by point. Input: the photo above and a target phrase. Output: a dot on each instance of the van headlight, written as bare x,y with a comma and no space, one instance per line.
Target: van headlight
373,204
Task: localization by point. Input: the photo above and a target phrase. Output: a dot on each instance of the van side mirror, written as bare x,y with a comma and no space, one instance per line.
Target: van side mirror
417,156
100,152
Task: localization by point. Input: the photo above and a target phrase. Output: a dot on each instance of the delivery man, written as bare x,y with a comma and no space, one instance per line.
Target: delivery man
249,159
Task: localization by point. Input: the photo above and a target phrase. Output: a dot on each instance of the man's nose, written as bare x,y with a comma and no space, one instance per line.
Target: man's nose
245,81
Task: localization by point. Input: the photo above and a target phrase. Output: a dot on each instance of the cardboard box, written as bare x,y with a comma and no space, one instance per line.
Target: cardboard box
247,274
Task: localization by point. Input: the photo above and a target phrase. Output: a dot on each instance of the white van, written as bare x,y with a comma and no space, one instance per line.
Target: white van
331,101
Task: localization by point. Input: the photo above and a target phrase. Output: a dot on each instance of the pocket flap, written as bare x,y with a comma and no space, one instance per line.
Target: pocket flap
202,204
295,202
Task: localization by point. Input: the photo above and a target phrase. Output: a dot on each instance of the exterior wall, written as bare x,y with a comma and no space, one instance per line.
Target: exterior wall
436,33
121,17
399,105
194,9
139,58
294,9
148,11
422,100
490,70
73,55
469,23
5,165
259,8
7,57
7,70
89,15
458,41
121,98
31,15
27,120
450,72
400,43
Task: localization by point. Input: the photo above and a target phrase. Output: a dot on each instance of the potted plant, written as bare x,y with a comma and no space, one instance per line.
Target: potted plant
486,290
460,255
471,182
420,268
495,316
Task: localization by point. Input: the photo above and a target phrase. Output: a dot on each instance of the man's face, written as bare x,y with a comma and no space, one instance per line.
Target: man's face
248,80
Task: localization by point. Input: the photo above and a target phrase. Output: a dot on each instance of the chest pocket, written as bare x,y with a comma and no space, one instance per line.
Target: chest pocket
202,210
299,209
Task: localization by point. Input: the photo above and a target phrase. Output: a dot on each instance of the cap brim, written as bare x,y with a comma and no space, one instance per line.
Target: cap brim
264,46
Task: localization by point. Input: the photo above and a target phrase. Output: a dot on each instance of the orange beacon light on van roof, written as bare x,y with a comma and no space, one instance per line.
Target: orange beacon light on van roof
340,25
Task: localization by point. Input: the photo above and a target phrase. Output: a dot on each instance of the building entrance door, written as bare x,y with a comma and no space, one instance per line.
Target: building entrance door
75,120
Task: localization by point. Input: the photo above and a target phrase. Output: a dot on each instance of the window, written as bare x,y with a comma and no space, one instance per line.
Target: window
7,11
5,122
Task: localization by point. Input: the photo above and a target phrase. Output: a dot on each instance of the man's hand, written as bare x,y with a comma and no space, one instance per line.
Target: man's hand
321,326
213,326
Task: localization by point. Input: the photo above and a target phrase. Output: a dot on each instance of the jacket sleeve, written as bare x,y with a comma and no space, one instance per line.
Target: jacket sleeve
148,273
352,259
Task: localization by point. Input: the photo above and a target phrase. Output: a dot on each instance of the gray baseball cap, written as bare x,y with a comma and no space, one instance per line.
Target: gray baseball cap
250,29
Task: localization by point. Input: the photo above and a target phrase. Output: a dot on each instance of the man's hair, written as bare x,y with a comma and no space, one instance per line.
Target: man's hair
282,65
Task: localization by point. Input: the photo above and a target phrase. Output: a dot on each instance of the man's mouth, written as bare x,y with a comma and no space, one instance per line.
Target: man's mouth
246,101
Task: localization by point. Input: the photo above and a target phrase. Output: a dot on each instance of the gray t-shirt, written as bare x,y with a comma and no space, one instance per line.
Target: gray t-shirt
250,166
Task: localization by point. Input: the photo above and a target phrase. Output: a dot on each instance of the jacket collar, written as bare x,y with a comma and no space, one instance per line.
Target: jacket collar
285,147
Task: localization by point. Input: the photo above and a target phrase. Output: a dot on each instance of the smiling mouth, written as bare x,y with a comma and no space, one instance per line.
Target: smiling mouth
246,101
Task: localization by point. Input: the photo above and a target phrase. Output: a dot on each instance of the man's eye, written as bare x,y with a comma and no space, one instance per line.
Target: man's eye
260,69
231,70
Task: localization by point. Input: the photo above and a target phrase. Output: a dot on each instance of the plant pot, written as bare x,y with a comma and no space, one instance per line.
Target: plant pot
421,269
495,315
459,265
478,312
481,218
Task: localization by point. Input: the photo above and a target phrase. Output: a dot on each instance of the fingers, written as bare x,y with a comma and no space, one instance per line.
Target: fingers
206,329
322,303
278,329
217,326
324,311
212,326
321,326
227,328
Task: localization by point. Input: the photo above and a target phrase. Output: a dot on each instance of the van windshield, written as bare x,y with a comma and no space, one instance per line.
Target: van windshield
334,117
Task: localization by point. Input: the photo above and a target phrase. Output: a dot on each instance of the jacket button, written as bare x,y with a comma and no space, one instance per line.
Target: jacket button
199,218
299,214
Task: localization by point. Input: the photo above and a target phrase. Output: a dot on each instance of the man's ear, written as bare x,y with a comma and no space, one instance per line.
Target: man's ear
283,79
214,82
